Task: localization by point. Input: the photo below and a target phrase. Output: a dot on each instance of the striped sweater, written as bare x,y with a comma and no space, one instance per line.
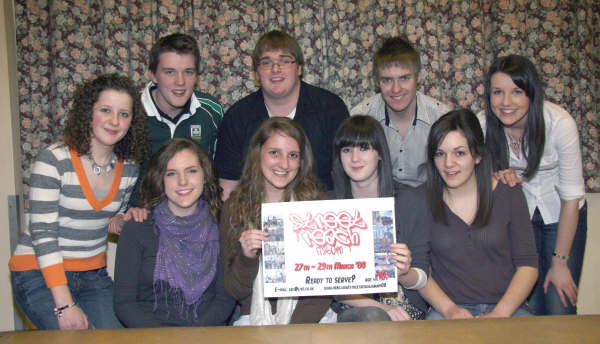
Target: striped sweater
67,224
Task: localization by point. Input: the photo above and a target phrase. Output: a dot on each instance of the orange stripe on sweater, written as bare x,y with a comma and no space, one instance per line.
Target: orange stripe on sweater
55,274
87,189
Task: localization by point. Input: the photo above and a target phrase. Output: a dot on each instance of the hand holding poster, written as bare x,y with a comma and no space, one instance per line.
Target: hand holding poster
332,247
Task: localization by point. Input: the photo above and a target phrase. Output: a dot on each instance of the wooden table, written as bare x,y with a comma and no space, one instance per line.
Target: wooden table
554,329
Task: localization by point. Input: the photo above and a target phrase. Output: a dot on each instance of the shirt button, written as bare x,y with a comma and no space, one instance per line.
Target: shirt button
400,169
402,150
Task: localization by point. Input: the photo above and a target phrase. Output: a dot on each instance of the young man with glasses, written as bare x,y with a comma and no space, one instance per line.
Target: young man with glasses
278,61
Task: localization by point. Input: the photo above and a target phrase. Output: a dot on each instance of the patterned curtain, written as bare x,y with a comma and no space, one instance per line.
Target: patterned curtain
62,43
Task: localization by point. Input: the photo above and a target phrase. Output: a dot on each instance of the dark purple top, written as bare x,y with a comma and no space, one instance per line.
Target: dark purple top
476,265
134,285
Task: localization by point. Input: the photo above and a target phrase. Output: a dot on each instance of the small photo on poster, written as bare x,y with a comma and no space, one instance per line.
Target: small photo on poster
383,231
384,266
275,276
274,250
273,225
274,264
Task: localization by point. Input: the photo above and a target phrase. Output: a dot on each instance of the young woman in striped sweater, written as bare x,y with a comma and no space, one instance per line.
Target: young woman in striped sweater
77,185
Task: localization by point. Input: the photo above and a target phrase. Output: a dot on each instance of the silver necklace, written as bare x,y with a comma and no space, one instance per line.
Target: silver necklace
105,169
515,145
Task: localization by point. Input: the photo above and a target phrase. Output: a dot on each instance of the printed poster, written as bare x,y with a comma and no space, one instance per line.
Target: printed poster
334,247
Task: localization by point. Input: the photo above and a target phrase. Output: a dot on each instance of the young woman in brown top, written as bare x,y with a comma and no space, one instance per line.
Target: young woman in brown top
483,259
278,168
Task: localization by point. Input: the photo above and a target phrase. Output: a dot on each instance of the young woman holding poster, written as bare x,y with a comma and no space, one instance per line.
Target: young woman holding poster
362,169
278,168
155,284
540,141
483,260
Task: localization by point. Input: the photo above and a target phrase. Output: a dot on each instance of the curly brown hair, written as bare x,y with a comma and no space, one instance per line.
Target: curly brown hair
245,201
153,190
77,133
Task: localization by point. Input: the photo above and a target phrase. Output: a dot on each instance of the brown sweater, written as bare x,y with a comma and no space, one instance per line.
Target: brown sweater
476,265
240,274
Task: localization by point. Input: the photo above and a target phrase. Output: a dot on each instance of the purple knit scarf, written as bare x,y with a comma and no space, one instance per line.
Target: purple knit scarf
186,259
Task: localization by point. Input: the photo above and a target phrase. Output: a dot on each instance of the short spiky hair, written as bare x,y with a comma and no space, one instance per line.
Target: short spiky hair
179,43
277,40
396,51
77,132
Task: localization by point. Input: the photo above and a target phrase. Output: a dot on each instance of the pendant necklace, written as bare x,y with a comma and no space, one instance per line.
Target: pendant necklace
105,169
515,145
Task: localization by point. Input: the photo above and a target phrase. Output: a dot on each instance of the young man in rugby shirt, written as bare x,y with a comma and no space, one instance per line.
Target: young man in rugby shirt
173,107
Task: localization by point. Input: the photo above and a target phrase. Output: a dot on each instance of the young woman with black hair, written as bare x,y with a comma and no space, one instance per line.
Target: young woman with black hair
362,169
540,142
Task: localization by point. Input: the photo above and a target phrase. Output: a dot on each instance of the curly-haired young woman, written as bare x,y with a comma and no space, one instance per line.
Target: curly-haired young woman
77,186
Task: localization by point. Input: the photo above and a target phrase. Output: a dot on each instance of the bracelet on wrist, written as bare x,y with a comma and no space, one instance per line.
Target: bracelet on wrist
554,254
58,311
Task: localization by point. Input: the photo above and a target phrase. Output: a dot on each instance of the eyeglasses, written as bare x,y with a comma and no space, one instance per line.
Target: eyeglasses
282,63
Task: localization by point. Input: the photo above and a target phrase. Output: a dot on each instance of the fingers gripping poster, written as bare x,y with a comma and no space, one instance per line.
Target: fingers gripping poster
332,247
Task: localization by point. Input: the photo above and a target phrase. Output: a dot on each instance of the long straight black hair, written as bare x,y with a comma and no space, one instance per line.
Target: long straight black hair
524,74
361,131
465,122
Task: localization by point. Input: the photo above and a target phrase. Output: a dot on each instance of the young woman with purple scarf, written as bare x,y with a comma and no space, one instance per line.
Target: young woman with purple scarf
168,268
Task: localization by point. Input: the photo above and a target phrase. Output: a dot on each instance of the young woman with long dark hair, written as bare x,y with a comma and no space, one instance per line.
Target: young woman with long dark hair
362,169
483,260
539,140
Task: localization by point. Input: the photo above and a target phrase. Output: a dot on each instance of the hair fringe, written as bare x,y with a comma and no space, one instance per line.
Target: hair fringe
359,130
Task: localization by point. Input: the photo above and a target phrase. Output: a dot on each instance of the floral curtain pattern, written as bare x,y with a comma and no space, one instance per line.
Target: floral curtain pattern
62,43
